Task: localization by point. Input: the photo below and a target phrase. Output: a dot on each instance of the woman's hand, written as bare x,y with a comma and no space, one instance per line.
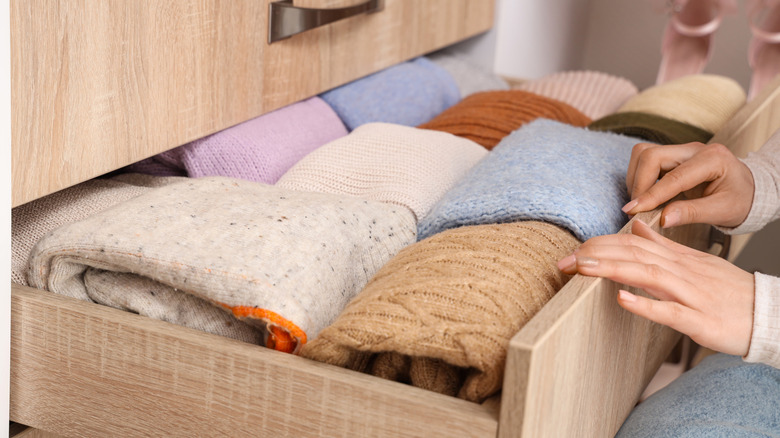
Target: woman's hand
698,294
724,199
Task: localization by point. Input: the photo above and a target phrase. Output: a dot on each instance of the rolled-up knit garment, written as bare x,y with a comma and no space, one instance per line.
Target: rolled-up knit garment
451,304
260,149
282,260
384,162
470,77
547,171
650,127
488,117
31,221
146,297
408,94
703,100
594,93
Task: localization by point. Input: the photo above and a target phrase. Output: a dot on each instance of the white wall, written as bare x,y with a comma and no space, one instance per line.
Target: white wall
624,38
532,38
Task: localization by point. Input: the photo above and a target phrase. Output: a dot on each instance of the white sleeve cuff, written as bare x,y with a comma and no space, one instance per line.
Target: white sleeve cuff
766,197
765,339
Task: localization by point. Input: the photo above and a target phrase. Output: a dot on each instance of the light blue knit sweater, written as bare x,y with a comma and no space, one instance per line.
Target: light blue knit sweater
410,94
546,171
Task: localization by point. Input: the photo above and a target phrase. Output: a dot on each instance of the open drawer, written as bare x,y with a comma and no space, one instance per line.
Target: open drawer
81,369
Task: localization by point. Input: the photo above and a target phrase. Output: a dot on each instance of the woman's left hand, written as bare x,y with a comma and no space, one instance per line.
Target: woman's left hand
698,294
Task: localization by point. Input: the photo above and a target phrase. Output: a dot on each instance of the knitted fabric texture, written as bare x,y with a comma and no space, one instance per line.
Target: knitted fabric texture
398,164
31,221
652,128
146,297
490,116
260,149
450,303
278,259
470,77
546,171
408,94
594,93
704,101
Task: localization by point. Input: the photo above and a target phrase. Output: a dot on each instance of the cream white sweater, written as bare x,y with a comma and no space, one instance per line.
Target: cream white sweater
765,166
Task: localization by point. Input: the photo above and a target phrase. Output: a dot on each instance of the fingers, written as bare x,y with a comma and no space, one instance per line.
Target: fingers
675,315
648,161
636,152
662,280
644,231
681,177
710,210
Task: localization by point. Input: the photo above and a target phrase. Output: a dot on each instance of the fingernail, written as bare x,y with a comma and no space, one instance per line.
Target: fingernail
567,262
626,296
628,207
587,261
670,219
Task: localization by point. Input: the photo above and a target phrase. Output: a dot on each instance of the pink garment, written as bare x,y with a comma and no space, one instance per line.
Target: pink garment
594,93
261,149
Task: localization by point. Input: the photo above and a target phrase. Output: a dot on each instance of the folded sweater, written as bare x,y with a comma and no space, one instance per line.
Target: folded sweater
546,171
281,260
398,164
408,94
489,116
260,149
594,93
440,314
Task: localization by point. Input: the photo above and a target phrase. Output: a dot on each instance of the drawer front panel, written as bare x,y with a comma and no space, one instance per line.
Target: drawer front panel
99,85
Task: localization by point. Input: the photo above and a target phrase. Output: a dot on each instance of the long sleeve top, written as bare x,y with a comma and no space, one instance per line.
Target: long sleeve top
765,166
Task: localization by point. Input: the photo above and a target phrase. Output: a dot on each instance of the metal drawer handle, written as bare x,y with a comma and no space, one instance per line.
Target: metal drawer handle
286,20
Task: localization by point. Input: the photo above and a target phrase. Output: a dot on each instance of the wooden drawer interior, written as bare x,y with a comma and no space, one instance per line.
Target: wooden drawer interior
576,369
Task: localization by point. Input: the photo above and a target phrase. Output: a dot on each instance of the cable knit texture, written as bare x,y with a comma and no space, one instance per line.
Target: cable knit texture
260,149
594,93
488,117
450,304
283,260
650,127
471,78
408,94
546,171
391,163
704,101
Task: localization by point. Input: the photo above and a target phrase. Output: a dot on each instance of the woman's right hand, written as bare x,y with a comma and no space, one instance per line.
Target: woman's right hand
719,187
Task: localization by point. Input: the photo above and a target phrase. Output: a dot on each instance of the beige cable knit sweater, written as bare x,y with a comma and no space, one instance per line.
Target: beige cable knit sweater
765,166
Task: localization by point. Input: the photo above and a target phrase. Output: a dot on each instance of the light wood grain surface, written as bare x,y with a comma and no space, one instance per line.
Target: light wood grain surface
583,360
81,369
580,365
101,84
21,431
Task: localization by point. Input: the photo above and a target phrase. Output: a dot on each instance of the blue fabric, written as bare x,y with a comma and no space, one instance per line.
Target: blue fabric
722,397
546,171
410,93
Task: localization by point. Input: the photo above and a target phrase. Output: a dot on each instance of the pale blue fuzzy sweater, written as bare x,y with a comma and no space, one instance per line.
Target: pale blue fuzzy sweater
410,94
546,171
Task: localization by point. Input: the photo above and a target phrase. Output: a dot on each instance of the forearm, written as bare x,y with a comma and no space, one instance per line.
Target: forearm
765,167
765,339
